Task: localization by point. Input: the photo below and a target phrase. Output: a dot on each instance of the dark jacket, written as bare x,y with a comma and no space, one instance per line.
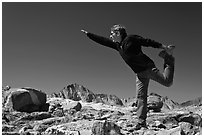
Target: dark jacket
130,50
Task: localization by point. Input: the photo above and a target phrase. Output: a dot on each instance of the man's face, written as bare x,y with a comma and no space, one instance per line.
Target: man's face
115,36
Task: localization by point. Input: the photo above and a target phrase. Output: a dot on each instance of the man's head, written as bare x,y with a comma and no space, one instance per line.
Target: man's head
118,33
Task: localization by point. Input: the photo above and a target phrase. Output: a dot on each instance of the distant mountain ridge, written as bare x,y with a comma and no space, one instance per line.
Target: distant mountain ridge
78,92
197,101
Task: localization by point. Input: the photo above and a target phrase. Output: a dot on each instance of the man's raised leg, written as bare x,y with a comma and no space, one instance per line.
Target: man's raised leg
165,78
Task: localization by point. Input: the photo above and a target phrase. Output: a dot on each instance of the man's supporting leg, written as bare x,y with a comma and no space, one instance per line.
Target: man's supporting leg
141,90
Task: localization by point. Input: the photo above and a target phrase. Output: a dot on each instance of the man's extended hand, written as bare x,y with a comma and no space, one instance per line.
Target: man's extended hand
168,47
84,31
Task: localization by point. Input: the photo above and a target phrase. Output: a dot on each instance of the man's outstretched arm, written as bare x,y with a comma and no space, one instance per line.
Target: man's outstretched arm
101,40
151,43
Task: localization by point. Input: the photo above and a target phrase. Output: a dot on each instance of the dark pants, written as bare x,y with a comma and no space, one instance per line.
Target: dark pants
142,82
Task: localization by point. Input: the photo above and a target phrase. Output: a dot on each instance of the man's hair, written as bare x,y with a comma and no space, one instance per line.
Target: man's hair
119,28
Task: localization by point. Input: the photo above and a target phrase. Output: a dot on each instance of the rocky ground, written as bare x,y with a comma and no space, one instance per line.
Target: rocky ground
68,117
81,117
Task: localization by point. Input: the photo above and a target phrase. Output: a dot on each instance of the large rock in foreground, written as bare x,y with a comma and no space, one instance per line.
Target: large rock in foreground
26,100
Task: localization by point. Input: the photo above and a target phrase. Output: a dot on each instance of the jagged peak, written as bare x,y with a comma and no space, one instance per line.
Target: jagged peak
79,92
75,85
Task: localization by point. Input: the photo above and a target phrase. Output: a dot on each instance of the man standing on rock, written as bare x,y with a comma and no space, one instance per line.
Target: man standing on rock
129,47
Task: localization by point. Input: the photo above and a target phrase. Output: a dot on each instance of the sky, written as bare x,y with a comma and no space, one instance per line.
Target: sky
43,47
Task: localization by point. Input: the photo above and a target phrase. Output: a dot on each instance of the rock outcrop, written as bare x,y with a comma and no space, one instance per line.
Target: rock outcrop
154,102
25,100
105,128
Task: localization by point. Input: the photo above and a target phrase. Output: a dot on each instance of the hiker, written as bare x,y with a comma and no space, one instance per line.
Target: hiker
129,47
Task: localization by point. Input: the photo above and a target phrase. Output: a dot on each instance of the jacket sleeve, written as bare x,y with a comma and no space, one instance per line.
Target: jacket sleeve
103,41
149,43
